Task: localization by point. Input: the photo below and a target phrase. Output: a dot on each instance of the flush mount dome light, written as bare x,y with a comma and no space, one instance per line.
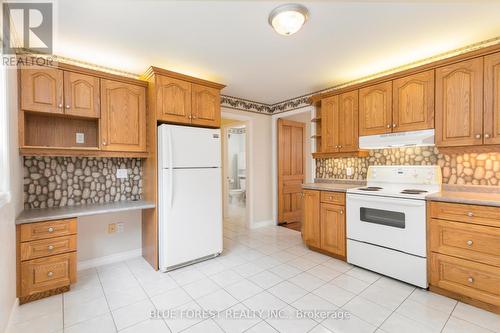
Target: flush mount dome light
288,19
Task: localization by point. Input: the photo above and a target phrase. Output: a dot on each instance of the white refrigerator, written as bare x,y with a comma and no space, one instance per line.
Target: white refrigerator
190,195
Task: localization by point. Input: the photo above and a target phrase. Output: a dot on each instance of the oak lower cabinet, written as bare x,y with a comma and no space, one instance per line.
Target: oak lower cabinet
324,224
46,258
123,116
464,257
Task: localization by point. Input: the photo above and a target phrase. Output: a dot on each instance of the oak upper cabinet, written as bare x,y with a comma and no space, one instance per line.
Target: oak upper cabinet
42,89
81,95
173,98
459,104
329,124
348,137
123,116
413,102
492,99
205,106
375,109
333,229
311,218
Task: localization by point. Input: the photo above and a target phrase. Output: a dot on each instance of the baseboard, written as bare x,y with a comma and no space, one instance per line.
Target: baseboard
12,310
111,259
260,224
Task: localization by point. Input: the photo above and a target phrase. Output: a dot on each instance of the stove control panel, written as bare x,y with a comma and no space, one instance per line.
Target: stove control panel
407,174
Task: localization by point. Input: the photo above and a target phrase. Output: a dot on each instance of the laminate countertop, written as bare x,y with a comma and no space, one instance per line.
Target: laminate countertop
57,213
332,186
467,197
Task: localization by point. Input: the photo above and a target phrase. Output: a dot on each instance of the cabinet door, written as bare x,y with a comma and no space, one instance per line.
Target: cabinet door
459,104
348,118
205,106
330,124
413,102
81,95
310,220
173,100
375,109
333,237
492,99
123,116
42,90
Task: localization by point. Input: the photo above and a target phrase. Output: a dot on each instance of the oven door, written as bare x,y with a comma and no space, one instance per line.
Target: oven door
394,223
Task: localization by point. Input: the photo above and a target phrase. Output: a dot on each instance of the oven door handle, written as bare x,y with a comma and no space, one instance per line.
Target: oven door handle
359,199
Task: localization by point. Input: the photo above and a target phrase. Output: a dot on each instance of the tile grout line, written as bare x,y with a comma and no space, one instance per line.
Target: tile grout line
447,320
106,298
394,311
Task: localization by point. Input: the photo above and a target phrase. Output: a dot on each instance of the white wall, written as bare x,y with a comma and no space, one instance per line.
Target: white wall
9,211
259,161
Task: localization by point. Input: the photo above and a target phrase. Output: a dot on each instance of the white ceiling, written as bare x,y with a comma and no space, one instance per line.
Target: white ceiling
231,42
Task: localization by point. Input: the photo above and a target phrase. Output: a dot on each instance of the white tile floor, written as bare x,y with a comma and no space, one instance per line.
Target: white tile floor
262,269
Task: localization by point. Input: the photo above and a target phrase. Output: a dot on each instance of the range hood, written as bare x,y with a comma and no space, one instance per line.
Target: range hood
396,140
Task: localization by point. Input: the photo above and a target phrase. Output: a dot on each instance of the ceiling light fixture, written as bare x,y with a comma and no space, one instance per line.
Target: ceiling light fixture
288,19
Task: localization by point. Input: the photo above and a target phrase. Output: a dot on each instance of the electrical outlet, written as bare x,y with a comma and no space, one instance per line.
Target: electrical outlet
121,173
349,171
111,228
120,227
80,138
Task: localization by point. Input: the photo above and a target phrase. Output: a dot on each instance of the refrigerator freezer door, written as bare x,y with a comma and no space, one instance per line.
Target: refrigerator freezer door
188,147
191,219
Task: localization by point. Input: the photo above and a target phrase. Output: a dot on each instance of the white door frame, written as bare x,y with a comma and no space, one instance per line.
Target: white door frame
247,122
274,136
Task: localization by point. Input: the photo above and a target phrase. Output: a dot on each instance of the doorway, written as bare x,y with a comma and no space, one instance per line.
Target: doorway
235,173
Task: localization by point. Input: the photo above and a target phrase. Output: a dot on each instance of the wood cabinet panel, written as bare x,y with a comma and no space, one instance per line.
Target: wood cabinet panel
492,99
49,229
81,95
311,218
459,104
205,105
329,124
336,198
47,247
471,242
173,100
375,109
333,230
123,116
413,102
42,90
478,281
348,121
484,215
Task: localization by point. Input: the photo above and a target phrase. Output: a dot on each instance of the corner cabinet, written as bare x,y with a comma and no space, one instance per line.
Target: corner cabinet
123,116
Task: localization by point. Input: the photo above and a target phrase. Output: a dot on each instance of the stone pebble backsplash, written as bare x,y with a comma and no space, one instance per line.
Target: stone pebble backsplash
71,181
460,169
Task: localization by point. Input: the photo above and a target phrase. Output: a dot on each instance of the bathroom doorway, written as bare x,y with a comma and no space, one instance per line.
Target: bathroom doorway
235,173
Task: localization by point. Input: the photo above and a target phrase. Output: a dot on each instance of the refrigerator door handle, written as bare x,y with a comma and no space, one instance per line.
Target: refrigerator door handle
171,166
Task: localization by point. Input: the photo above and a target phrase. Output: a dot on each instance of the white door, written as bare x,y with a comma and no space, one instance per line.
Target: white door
188,147
190,215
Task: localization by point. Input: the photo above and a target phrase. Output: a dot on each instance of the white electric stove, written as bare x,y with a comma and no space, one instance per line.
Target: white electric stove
386,221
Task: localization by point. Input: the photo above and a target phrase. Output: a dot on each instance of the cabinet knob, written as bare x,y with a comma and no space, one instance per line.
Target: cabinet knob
469,243
478,136
60,106
470,279
50,229
486,136
50,247
194,117
470,214
341,211
103,142
190,117
388,125
50,274
394,125
340,146
67,106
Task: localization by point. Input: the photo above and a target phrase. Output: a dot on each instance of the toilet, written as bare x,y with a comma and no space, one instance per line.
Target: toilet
238,194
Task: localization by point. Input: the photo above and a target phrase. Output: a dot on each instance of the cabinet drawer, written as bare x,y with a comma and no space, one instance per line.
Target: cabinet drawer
466,213
39,275
47,247
468,241
468,278
333,197
49,229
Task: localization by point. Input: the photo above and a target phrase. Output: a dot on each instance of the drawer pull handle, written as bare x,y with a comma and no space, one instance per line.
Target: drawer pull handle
341,211
470,279
469,243
51,229
470,214
50,247
330,198
50,274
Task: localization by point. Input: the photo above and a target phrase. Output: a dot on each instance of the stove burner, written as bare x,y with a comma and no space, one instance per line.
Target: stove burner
413,191
370,188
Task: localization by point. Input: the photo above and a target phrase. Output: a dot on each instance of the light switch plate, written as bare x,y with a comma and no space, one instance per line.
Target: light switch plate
121,173
348,171
80,137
